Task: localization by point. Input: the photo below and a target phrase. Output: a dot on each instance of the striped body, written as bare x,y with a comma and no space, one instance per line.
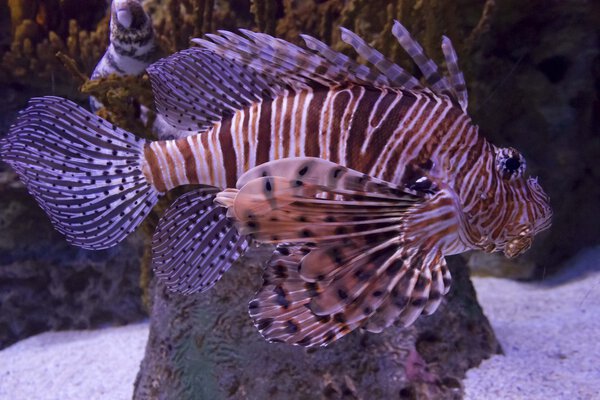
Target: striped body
378,132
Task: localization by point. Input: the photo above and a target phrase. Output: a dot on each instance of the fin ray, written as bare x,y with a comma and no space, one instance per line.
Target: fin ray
194,243
85,172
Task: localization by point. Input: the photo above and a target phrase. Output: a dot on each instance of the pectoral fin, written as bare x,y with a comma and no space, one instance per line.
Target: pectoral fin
354,251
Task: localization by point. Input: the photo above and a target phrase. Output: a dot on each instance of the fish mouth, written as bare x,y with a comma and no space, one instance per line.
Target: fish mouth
518,246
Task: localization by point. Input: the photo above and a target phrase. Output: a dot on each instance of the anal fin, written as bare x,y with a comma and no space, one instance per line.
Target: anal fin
195,243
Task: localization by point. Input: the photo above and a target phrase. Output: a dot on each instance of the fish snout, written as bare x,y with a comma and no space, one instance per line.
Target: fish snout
519,244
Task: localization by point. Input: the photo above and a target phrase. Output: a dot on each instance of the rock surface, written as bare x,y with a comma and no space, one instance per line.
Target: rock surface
47,284
205,346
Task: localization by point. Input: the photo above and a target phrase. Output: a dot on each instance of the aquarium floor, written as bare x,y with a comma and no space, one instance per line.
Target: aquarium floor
549,333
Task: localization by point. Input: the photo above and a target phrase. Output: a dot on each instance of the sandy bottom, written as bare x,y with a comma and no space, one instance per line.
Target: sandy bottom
99,364
549,332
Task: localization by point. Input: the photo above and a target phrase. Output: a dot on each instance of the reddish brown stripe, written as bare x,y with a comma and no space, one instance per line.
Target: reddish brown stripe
287,122
440,136
229,157
247,127
382,107
264,134
431,136
277,122
190,163
381,136
152,161
473,157
170,163
312,123
209,157
298,122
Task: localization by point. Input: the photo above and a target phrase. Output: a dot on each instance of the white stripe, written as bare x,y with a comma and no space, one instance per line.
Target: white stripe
307,100
280,132
253,134
372,128
218,166
178,162
237,124
162,164
322,134
347,119
193,142
401,130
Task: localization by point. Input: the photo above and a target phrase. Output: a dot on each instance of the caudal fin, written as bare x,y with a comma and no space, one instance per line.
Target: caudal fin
85,172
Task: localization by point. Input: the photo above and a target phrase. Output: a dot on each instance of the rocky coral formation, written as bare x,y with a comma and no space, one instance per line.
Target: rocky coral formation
205,346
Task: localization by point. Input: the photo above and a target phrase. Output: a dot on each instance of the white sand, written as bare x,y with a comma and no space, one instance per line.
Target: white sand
78,365
550,334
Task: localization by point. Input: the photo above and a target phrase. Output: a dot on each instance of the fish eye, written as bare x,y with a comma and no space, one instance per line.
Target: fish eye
510,163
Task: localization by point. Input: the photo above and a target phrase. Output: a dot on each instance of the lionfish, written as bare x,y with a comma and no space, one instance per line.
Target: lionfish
363,177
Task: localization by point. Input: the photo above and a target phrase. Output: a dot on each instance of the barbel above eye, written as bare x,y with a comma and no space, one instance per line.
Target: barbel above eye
510,163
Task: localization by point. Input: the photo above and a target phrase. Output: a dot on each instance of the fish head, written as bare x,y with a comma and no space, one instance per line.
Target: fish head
128,14
527,205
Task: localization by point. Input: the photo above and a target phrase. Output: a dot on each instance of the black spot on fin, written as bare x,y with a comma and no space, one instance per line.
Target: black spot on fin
195,243
195,88
84,172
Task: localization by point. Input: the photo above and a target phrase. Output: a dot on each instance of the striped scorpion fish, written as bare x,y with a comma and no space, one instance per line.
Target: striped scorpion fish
364,178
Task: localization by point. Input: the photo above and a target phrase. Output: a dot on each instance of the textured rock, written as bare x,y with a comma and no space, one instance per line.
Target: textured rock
47,284
205,346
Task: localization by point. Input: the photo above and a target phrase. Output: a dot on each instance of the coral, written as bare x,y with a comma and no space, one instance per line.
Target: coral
40,29
206,347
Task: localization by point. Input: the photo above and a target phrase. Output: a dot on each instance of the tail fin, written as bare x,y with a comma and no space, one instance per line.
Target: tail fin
85,172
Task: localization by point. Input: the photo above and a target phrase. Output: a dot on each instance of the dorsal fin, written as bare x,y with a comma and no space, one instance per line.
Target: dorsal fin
298,67
198,87
289,63
195,88
397,76
360,71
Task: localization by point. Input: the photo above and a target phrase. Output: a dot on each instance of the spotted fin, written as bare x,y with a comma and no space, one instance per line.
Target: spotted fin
352,248
84,172
390,283
196,88
281,309
194,243
418,291
314,198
